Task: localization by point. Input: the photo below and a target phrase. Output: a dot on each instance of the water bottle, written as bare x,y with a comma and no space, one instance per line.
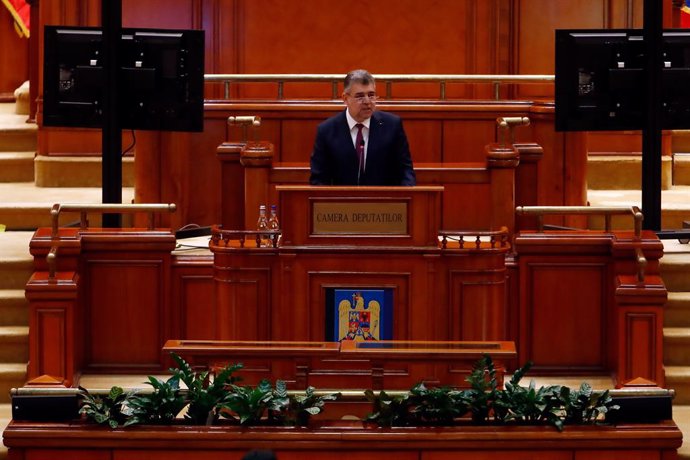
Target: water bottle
273,223
262,225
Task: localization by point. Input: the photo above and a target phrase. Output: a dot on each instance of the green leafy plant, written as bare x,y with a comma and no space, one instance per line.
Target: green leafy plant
269,406
111,409
206,394
300,408
487,402
584,406
389,410
248,405
421,406
483,389
159,407
437,406
528,404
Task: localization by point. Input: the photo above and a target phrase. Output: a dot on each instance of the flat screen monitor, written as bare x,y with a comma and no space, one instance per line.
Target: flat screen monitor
600,80
161,78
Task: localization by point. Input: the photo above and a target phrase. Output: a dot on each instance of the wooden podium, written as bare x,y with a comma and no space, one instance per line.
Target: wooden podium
359,238
360,216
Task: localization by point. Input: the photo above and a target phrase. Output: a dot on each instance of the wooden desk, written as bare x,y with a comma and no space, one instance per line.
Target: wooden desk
389,365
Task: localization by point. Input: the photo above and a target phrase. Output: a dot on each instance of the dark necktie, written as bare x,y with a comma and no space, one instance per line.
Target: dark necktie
359,147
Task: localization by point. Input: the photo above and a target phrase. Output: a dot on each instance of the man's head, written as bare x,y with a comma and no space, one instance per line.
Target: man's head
360,94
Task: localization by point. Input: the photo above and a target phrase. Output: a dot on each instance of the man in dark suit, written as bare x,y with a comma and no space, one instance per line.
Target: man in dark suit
361,146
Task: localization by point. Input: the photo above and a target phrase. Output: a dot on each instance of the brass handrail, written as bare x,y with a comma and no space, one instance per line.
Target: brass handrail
606,211
336,79
346,395
51,260
84,209
641,264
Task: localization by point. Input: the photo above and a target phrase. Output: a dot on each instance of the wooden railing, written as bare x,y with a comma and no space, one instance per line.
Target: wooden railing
84,210
475,239
606,211
335,80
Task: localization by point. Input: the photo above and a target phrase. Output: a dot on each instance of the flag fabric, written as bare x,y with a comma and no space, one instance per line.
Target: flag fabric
21,12
685,15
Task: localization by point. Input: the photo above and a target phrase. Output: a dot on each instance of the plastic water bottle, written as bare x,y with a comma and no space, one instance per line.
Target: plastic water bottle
262,225
273,223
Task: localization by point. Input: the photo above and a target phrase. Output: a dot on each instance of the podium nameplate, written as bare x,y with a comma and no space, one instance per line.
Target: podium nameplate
359,218
347,216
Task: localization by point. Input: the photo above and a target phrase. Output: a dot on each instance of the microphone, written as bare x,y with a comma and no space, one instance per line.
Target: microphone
361,159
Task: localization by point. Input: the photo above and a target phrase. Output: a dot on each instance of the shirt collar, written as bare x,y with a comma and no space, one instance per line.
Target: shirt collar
351,122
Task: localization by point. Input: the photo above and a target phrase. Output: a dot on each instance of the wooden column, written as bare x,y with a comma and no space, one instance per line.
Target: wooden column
502,159
640,296
53,326
639,306
232,206
257,158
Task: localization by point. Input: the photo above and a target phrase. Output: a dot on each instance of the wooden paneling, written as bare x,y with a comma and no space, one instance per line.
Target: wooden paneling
170,14
70,454
133,289
50,333
388,36
491,455
244,301
480,308
55,346
572,292
583,310
536,22
464,140
626,454
14,58
193,300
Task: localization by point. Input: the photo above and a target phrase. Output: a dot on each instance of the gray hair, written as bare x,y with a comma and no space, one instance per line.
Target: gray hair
360,76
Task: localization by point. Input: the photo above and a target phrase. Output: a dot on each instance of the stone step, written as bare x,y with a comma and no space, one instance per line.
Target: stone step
681,415
677,346
677,312
12,375
675,206
675,271
16,263
16,135
77,171
622,172
681,169
23,206
20,137
14,344
678,379
17,166
14,308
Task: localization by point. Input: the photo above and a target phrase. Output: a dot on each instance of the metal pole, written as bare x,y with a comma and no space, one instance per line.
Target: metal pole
651,132
111,174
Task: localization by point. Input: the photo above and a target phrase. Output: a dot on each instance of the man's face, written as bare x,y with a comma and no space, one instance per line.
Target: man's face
360,101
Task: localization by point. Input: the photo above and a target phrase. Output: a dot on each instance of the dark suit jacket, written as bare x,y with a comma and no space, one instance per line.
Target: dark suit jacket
334,160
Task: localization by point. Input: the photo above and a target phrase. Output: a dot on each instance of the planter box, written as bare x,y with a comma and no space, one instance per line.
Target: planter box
342,439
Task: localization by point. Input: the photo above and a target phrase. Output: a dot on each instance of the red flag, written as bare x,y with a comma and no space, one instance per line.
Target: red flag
685,15
21,12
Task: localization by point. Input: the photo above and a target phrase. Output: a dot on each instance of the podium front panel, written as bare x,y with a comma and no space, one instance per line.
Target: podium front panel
360,216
